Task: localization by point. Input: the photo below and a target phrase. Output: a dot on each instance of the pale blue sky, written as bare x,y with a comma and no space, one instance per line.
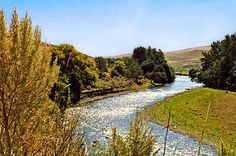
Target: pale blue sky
109,27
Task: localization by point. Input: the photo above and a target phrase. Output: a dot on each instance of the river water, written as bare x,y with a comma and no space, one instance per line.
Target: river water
98,117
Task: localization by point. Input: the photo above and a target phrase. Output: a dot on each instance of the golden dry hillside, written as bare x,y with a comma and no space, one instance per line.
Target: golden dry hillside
186,58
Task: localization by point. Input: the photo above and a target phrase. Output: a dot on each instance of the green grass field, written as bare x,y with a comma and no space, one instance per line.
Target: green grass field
189,111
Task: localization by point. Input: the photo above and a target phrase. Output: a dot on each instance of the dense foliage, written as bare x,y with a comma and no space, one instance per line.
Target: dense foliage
77,72
218,68
144,63
153,65
101,66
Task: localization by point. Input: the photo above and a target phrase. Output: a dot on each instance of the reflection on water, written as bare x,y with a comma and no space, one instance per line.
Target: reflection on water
97,118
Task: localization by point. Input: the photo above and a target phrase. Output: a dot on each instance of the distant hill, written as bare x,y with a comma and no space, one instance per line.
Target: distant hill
181,60
186,58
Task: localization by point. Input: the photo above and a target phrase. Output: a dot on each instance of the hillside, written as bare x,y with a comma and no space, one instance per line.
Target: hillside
181,60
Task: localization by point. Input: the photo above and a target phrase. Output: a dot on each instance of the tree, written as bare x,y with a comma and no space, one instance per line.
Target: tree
170,72
77,72
147,66
134,71
156,56
154,65
25,81
119,69
30,123
139,54
102,66
217,69
60,93
193,73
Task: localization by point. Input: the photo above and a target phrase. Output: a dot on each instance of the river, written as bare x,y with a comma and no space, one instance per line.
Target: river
98,117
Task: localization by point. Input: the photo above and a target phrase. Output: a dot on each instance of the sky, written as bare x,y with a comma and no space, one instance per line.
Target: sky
112,27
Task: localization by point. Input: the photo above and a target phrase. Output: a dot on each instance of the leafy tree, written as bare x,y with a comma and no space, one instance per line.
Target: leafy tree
154,65
140,54
217,69
170,72
193,73
77,72
147,66
156,56
25,81
69,78
119,69
61,93
30,122
102,66
134,71
159,74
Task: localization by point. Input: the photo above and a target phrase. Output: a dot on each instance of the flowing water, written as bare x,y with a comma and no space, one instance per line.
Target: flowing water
97,118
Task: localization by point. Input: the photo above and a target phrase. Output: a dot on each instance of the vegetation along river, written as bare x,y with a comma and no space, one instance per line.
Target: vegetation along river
98,117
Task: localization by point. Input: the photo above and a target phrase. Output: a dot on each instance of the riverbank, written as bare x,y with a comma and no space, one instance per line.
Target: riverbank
189,115
182,73
132,88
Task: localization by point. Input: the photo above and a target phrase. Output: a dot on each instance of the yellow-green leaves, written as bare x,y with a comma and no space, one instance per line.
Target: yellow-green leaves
26,78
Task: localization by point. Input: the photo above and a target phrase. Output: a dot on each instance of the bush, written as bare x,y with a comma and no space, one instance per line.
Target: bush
138,142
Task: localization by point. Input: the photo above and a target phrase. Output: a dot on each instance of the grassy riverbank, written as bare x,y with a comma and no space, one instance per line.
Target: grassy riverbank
189,115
